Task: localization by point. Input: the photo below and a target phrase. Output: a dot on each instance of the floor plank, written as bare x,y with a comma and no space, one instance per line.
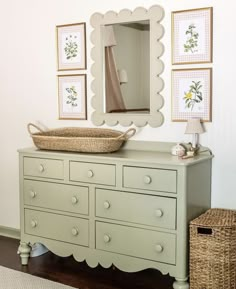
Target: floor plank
80,275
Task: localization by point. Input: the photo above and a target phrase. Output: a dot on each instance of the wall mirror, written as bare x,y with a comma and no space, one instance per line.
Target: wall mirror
127,66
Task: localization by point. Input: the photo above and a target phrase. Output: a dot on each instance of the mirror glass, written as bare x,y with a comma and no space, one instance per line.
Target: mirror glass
127,67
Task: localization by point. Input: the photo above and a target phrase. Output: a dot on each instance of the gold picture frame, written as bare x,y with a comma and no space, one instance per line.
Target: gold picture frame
72,96
192,36
71,46
192,94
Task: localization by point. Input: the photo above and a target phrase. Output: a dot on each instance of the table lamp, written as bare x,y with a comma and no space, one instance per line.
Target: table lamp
194,127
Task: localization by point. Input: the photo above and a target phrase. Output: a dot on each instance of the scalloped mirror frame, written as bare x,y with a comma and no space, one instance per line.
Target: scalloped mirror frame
155,118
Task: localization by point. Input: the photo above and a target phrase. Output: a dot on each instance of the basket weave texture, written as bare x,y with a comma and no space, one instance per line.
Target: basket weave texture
213,250
91,140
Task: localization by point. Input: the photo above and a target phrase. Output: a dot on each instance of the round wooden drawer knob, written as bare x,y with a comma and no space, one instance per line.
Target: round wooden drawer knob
90,174
158,248
106,238
159,213
147,180
106,205
32,194
33,223
75,231
74,200
41,168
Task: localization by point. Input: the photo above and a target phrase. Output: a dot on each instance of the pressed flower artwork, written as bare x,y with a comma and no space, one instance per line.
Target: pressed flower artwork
72,96
71,46
192,36
191,43
191,94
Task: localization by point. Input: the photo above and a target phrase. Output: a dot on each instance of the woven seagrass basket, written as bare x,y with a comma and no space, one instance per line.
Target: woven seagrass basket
213,250
90,140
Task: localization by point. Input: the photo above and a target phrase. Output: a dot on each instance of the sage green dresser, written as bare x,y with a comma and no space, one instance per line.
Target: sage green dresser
130,208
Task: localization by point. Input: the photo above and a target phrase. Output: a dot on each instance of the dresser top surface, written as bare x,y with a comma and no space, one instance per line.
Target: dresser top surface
147,155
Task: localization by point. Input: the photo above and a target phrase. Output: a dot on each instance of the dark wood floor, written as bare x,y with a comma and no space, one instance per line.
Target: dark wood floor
79,275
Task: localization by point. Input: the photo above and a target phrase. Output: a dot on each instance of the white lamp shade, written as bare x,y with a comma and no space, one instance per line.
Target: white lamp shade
122,75
109,36
194,126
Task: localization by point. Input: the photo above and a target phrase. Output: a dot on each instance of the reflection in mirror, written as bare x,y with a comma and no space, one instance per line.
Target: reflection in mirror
127,67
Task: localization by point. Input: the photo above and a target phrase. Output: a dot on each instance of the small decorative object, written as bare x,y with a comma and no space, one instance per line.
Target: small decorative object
192,36
72,96
191,94
190,153
178,150
194,127
71,46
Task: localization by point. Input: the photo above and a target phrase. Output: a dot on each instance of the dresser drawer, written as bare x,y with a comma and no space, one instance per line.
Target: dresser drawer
136,208
44,168
93,173
54,196
152,245
150,179
56,227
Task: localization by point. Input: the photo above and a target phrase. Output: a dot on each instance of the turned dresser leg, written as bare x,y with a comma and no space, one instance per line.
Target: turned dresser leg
181,283
24,252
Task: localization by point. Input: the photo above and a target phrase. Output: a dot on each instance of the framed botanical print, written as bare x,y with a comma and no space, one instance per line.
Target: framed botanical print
192,36
71,46
72,96
191,94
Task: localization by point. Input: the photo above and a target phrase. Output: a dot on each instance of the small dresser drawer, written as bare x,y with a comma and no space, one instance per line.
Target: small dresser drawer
54,196
93,173
152,245
56,227
44,168
136,208
150,179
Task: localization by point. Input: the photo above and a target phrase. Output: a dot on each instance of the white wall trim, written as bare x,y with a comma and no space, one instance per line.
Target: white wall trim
9,232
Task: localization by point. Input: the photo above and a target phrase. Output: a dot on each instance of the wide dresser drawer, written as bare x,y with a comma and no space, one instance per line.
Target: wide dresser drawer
57,227
93,173
55,196
44,168
136,242
150,179
136,208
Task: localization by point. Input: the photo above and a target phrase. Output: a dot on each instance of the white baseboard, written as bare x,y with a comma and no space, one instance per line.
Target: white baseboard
9,232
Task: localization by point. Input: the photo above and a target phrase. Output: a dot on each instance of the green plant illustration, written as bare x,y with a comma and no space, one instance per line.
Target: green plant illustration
192,39
71,47
72,96
193,95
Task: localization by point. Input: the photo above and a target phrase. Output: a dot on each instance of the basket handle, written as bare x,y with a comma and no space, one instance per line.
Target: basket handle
33,125
126,135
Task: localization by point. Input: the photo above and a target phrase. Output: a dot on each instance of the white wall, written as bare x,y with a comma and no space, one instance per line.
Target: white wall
28,88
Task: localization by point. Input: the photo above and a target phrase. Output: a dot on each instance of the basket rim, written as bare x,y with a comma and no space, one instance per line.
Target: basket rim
216,217
78,138
80,128
44,134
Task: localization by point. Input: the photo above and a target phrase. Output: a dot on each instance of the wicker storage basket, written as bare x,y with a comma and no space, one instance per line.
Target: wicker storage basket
213,250
91,140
